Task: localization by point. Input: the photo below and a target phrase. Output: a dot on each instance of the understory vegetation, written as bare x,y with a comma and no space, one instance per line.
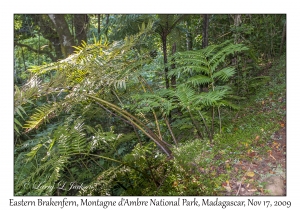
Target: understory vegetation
142,105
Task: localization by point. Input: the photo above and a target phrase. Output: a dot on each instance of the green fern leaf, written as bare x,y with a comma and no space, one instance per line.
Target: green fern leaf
199,80
224,74
41,115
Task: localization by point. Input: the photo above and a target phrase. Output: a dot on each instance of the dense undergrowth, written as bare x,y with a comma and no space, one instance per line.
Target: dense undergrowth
205,167
145,104
95,124
199,167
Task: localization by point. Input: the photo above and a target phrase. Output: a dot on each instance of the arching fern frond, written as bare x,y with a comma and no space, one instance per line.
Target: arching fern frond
210,98
41,115
218,55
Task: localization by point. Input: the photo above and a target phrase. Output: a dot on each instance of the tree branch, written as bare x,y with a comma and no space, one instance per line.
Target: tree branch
35,50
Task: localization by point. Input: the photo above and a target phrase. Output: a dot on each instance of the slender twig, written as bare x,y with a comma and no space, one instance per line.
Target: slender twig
239,189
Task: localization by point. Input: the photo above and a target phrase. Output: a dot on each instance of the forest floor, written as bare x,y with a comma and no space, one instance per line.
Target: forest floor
265,174
249,157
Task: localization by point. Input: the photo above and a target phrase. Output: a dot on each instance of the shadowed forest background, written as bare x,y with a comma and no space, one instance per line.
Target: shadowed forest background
137,104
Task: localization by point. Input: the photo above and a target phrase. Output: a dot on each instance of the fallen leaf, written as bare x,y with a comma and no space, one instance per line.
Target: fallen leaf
252,190
250,174
252,153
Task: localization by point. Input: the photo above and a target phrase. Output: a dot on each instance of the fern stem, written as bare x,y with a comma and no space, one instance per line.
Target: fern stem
205,125
220,122
212,124
137,123
157,125
154,114
195,124
171,132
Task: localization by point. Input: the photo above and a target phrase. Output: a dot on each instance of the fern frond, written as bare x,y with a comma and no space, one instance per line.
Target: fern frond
185,95
224,74
199,80
210,98
224,50
41,115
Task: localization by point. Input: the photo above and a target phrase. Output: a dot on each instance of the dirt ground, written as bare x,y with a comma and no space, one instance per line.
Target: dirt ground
265,174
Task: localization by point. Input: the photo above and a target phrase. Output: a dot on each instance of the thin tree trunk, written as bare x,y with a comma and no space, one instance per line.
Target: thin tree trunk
204,41
189,39
39,47
173,78
80,22
107,22
99,23
283,38
46,30
65,38
164,41
205,31
237,22
23,56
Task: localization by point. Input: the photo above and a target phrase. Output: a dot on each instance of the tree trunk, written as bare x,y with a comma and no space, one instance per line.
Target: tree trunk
164,41
65,38
106,27
204,42
237,22
189,39
48,33
173,78
80,23
283,38
99,24
205,31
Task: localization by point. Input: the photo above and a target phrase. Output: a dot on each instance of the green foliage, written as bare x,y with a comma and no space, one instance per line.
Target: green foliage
102,119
